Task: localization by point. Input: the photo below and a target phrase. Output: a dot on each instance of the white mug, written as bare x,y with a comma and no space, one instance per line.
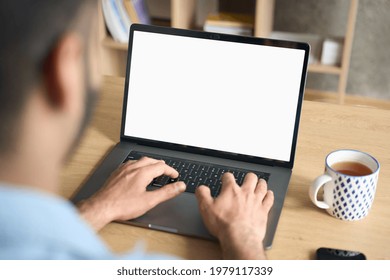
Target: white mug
346,197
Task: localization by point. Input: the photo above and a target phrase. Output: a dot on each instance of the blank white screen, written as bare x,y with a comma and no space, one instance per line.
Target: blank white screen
226,96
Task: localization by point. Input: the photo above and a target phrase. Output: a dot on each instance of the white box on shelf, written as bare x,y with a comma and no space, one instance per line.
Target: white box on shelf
332,50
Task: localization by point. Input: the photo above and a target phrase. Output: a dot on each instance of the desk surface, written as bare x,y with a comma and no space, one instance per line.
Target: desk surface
302,227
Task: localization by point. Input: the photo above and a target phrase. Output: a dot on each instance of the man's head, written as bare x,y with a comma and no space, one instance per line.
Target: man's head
48,56
45,61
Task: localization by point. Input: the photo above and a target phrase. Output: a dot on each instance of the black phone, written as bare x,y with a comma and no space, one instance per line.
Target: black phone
338,254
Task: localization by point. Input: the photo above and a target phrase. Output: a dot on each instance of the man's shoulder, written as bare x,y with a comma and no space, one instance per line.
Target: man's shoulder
38,225
35,225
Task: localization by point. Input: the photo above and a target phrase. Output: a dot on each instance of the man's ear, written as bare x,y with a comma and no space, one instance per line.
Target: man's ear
64,71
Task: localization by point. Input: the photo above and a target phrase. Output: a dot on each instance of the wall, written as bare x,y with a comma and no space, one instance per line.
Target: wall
370,61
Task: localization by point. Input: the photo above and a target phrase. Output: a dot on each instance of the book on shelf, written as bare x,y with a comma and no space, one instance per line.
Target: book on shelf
138,11
230,23
131,11
117,20
123,16
142,11
120,14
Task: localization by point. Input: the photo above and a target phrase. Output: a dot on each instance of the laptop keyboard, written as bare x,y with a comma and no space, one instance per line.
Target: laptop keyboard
194,173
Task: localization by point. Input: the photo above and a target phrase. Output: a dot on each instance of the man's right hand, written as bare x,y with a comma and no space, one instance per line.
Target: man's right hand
124,195
238,216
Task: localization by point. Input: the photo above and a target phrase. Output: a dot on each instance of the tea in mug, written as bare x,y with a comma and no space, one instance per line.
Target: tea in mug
351,168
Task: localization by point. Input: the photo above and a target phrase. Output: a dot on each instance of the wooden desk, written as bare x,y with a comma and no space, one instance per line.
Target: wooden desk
302,227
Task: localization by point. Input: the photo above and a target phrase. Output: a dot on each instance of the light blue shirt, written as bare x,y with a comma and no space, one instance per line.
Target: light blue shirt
36,225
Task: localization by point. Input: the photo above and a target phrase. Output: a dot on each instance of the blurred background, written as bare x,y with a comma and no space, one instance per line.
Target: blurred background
325,24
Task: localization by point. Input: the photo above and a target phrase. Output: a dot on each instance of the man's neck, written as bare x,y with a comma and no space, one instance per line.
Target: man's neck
31,171
35,157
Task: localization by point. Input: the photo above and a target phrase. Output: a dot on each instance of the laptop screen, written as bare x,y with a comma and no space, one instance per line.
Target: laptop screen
226,96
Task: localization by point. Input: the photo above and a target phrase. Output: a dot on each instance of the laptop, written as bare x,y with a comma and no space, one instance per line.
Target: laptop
207,104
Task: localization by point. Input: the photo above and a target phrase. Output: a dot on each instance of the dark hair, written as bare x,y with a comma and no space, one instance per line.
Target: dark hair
29,31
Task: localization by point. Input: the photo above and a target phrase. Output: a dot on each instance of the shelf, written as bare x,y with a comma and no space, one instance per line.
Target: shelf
183,15
328,69
111,43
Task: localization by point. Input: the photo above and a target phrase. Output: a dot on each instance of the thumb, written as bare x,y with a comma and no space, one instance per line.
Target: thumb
166,192
204,197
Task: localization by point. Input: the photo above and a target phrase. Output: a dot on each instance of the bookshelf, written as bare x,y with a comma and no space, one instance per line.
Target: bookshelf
113,54
183,16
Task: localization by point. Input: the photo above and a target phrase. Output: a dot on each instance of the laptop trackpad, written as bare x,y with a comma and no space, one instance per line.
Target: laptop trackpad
178,215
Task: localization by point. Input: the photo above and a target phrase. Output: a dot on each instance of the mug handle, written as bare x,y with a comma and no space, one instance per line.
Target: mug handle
315,187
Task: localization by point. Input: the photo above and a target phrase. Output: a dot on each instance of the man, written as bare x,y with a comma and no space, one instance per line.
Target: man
48,79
